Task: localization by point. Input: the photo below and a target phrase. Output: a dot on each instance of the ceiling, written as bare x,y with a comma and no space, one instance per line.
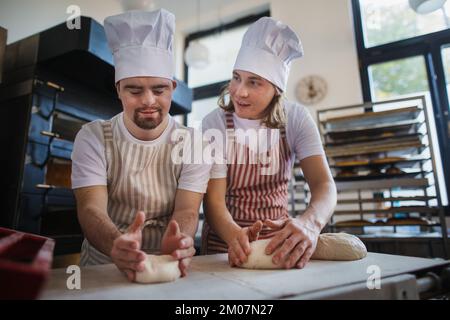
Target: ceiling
212,12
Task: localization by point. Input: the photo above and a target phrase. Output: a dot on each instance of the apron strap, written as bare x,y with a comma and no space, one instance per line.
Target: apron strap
229,122
108,137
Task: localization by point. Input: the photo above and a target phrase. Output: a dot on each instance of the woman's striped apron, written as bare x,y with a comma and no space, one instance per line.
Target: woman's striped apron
140,177
251,195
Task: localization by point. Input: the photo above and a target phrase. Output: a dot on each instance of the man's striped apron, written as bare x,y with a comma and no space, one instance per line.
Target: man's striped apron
140,177
251,195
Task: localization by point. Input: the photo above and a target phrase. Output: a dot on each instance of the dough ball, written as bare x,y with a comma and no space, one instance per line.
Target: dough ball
339,246
258,259
159,269
330,246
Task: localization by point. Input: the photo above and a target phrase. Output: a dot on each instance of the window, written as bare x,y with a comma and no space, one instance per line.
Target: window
398,78
200,108
223,49
403,53
223,43
404,78
387,21
446,62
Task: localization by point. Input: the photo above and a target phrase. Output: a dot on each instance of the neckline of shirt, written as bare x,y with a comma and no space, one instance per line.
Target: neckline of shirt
130,137
247,123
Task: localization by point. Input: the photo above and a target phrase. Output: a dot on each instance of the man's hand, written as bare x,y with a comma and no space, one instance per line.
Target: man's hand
294,243
126,253
239,245
178,245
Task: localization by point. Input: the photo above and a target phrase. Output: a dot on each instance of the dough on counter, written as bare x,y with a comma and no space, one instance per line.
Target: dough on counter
258,259
330,246
340,247
159,269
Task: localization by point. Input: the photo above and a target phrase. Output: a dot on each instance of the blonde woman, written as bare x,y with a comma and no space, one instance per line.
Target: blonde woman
245,197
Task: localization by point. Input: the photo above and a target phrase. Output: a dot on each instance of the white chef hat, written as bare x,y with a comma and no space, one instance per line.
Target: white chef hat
267,49
142,43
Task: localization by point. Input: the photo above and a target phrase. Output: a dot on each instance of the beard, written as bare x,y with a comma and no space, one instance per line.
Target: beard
147,123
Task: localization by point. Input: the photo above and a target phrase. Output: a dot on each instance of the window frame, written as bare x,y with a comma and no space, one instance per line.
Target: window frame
429,46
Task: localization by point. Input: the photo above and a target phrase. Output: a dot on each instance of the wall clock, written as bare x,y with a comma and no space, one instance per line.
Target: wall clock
311,89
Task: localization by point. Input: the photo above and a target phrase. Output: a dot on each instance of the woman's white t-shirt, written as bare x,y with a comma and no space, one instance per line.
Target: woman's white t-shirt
301,133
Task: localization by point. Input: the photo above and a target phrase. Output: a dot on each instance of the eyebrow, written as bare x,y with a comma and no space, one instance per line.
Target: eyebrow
137,87
251,77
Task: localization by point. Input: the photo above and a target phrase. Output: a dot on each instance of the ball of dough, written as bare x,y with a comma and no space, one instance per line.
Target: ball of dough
339,246
330,246
258,259
159,269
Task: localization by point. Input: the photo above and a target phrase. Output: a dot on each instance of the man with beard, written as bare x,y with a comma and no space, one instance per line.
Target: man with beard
132,197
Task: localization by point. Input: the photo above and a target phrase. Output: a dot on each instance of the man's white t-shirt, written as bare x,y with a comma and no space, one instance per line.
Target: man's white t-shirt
89,161
302,133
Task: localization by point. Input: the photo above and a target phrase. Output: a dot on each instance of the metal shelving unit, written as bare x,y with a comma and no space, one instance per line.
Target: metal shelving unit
381,156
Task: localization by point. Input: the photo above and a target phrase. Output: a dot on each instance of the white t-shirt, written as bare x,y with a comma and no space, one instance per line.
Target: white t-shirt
89,161
301,133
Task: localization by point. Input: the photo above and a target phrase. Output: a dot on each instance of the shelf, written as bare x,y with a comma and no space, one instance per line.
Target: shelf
432,225
401,114
401,236
381,176
361,147
404,127
406,163
406,146
380,139
415,137
392,210
404,183
392,199
390,126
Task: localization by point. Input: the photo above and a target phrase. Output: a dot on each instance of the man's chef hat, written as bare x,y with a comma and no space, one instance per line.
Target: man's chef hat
267,49
141,42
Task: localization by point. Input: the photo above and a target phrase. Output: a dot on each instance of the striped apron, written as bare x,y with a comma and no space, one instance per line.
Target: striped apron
140,178
252,194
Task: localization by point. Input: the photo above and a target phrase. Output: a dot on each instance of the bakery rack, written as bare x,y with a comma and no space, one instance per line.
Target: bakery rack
382,159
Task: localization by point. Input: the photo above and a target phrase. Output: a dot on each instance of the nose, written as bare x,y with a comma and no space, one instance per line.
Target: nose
241,91
148,99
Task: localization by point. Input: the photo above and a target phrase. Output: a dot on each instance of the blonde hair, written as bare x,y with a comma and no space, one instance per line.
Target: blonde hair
274,114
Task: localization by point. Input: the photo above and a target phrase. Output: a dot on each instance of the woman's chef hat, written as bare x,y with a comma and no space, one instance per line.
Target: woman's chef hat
267,49
142,43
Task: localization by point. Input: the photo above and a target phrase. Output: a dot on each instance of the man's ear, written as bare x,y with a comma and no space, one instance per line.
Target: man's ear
118,89
174,84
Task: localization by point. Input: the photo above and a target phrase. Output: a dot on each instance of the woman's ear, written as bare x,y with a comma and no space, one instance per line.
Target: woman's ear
278,92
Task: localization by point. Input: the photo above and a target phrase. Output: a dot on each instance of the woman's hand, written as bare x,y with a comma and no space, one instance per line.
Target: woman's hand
239,245
294,243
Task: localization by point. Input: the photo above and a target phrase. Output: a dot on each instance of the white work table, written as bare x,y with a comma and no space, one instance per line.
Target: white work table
211,278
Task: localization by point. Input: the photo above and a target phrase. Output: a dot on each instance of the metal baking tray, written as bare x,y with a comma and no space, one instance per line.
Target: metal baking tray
402,127
383,184
370,118
392,210
381,176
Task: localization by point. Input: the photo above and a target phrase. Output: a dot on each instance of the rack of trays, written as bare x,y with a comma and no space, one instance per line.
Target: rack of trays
382,159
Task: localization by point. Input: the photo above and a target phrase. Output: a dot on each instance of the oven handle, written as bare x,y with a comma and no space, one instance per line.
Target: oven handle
52,136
